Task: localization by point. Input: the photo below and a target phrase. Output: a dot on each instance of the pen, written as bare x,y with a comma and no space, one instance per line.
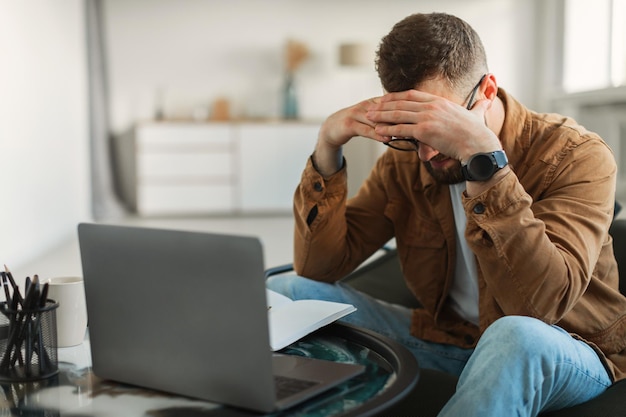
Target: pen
14,327
21,330
31,301
5,284
10,276
38,345
26,288
44,295
13,284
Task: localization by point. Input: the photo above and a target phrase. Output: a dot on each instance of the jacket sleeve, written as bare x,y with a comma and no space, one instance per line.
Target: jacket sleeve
537,254
334,235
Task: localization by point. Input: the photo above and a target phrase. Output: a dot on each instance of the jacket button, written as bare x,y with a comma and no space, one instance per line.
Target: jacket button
318,186
479,208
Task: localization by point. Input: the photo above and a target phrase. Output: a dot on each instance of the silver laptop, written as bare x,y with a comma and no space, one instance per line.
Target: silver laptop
186,313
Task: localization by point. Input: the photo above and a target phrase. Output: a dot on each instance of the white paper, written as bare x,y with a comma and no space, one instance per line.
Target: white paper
291,320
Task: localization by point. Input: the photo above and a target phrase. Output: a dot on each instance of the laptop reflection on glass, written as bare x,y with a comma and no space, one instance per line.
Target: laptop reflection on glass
185,312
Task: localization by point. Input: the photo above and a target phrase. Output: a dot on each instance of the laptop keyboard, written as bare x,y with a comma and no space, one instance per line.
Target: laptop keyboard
286,386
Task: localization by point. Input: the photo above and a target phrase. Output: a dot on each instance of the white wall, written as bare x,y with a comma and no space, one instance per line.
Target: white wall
44,179
197,50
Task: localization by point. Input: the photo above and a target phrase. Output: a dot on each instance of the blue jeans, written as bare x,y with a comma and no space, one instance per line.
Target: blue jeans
520,367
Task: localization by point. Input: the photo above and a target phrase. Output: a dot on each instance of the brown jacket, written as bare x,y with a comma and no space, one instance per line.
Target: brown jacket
540,235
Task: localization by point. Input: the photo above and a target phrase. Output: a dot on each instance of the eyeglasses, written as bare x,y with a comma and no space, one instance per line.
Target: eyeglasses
412,144
470,100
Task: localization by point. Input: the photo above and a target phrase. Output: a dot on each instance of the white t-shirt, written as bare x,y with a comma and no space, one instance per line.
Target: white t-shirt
464,292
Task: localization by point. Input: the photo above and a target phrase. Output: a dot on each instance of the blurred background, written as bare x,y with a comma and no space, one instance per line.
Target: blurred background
116,109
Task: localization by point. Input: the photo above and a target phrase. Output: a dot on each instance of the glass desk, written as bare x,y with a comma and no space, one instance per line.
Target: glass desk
391,373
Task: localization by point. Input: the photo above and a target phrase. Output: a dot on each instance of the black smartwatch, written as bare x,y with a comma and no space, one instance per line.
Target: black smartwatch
482,166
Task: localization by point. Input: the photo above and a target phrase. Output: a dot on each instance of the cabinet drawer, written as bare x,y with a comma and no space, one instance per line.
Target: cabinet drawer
182,136
287,148
178,165
184,199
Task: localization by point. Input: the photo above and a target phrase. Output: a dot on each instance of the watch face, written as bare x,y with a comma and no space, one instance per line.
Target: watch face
481,167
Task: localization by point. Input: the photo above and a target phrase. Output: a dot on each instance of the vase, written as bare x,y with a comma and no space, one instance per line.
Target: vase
290,98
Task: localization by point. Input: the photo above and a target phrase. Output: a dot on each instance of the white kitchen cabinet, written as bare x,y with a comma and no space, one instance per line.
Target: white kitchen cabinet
273,157
206,168
185,168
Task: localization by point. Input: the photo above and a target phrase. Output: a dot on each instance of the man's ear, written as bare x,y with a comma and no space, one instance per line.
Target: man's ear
490,87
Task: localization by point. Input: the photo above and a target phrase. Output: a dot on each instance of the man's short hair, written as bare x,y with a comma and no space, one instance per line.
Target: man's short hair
430,46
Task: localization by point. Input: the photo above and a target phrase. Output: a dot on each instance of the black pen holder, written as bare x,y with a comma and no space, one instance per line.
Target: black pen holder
28,343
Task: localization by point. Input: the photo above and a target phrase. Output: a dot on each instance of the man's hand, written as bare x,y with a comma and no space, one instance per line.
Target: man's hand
438,122
337,130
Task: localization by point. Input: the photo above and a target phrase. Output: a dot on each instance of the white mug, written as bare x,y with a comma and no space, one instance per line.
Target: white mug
71,315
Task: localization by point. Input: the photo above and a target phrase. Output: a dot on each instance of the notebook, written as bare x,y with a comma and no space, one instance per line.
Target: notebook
185,312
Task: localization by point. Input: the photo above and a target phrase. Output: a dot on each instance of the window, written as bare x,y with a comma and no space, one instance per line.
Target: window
594,44
618,44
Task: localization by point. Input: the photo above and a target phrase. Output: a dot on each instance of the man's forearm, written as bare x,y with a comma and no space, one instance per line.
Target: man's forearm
327,160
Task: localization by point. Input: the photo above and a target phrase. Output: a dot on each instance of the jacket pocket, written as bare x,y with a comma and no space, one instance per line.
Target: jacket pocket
423,254
414,230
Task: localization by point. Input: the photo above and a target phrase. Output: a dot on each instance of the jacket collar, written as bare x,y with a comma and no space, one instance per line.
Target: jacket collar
515,135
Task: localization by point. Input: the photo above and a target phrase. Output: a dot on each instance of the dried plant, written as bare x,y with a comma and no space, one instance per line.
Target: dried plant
296,54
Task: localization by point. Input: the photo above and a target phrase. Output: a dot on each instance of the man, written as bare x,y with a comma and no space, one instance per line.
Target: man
501,220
